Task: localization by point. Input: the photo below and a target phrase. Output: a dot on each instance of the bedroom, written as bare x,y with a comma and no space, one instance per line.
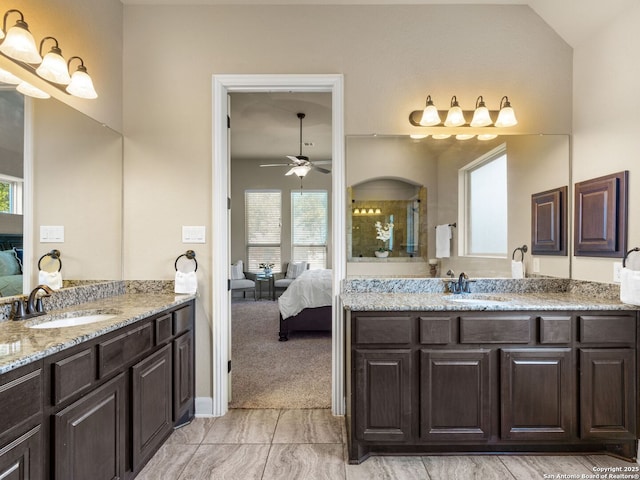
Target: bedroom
265,128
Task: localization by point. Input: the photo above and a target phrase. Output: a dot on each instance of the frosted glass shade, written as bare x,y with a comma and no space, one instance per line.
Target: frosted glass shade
31,91
8,77
418,136
20,45
455,117
506,117
464,136
81,84
481,117
440,136
300,171
430,116
54,68
487,136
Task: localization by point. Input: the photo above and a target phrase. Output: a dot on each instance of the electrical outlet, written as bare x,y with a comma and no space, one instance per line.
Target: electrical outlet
536,265
617,272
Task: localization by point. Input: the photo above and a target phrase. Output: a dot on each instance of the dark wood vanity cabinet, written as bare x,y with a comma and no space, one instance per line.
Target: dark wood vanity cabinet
101,409
420,382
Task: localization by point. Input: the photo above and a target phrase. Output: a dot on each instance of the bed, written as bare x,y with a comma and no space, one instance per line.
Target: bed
306,304
10,264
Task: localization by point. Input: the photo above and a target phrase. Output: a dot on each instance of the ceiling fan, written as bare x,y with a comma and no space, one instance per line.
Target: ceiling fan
300,164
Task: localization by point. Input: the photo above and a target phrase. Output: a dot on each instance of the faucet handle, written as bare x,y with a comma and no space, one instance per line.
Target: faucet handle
20,312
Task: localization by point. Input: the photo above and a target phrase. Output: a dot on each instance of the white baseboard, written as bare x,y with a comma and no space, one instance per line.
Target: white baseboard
204,407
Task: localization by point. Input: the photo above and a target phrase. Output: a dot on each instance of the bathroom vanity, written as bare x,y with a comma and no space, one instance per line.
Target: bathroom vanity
432,373
96,401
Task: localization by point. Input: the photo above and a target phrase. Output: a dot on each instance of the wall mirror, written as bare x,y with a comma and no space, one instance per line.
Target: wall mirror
76,182
535,163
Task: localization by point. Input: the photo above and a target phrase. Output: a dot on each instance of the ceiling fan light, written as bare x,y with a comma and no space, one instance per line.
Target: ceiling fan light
506,116
455,117
31,91
8,77
19,43
301,170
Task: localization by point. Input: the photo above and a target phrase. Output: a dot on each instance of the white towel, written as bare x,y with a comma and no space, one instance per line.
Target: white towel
443,241
630,286
517,269
52,280
186,282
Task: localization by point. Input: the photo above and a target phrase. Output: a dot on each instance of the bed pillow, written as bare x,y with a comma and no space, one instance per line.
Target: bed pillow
295,269
9,264
237,272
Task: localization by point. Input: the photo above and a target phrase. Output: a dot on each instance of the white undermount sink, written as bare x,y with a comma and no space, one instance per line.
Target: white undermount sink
486,301
74,320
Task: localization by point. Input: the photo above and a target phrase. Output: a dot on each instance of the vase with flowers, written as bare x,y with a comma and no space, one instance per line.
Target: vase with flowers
383,232
267,268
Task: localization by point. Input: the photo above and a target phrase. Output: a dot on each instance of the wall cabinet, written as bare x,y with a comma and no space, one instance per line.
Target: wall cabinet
420,382
101,409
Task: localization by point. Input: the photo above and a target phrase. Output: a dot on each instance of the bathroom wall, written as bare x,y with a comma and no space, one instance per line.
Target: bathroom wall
606,118
391,58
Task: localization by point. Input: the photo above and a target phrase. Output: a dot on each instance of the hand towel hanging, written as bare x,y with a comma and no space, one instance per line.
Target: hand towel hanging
443,241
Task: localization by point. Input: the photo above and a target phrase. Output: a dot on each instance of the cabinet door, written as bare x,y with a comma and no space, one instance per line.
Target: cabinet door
383,395
537,392
183,377
89,435
607,393
151,404
21,459
455,395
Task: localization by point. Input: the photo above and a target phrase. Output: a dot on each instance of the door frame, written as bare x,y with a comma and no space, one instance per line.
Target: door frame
221,308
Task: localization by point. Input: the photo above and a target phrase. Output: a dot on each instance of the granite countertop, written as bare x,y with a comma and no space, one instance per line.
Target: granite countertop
20,345
378,301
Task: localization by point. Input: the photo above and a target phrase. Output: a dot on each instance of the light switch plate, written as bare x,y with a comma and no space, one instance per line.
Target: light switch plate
617,272
536,265
51,234
193,234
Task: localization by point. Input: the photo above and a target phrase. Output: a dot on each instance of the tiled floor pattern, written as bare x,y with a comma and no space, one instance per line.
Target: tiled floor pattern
309,445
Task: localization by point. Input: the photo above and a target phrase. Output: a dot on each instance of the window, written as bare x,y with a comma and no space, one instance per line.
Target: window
309,225
483,188
263,225
10,194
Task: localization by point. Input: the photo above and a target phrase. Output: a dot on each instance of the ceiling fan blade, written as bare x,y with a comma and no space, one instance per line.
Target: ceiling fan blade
323,170
322,162
276,165
298,160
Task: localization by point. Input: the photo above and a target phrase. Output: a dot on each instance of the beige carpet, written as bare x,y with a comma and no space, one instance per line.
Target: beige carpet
267,373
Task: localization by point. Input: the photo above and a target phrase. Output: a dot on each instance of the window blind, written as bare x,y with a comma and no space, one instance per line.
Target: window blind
263,226
309,227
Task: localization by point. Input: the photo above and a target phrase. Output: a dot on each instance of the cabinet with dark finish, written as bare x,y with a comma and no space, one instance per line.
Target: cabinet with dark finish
20,423
522,381
89,436
183,378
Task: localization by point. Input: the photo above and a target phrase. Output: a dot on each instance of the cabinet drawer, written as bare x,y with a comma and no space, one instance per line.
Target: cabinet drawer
437,330
555,329
20,398
72,375
181,320
504,329
163,329
115,353
371,330
607,329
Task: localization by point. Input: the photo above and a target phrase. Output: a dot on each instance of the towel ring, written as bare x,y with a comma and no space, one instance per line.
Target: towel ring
55,255
190,255
624,260
523,249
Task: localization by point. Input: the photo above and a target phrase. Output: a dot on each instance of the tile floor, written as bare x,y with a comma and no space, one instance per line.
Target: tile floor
309,444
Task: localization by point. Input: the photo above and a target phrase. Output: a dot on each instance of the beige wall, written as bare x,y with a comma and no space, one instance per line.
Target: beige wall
90,29
607,121
391,58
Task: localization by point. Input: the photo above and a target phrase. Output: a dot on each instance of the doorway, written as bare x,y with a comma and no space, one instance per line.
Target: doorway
222,86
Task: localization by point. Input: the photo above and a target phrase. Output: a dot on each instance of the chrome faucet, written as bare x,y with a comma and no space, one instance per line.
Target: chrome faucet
461,285
32,307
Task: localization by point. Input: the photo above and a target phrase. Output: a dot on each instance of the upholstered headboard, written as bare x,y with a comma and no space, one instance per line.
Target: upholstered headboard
10,240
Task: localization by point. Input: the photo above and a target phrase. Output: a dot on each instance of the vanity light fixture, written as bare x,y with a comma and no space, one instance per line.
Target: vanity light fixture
481,117
19,46
27,89
506,117
82,86
430,115
378,211
53,67
356,211
455,117
19,43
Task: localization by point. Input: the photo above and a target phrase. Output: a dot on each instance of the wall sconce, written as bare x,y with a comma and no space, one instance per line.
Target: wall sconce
20,47
481,116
